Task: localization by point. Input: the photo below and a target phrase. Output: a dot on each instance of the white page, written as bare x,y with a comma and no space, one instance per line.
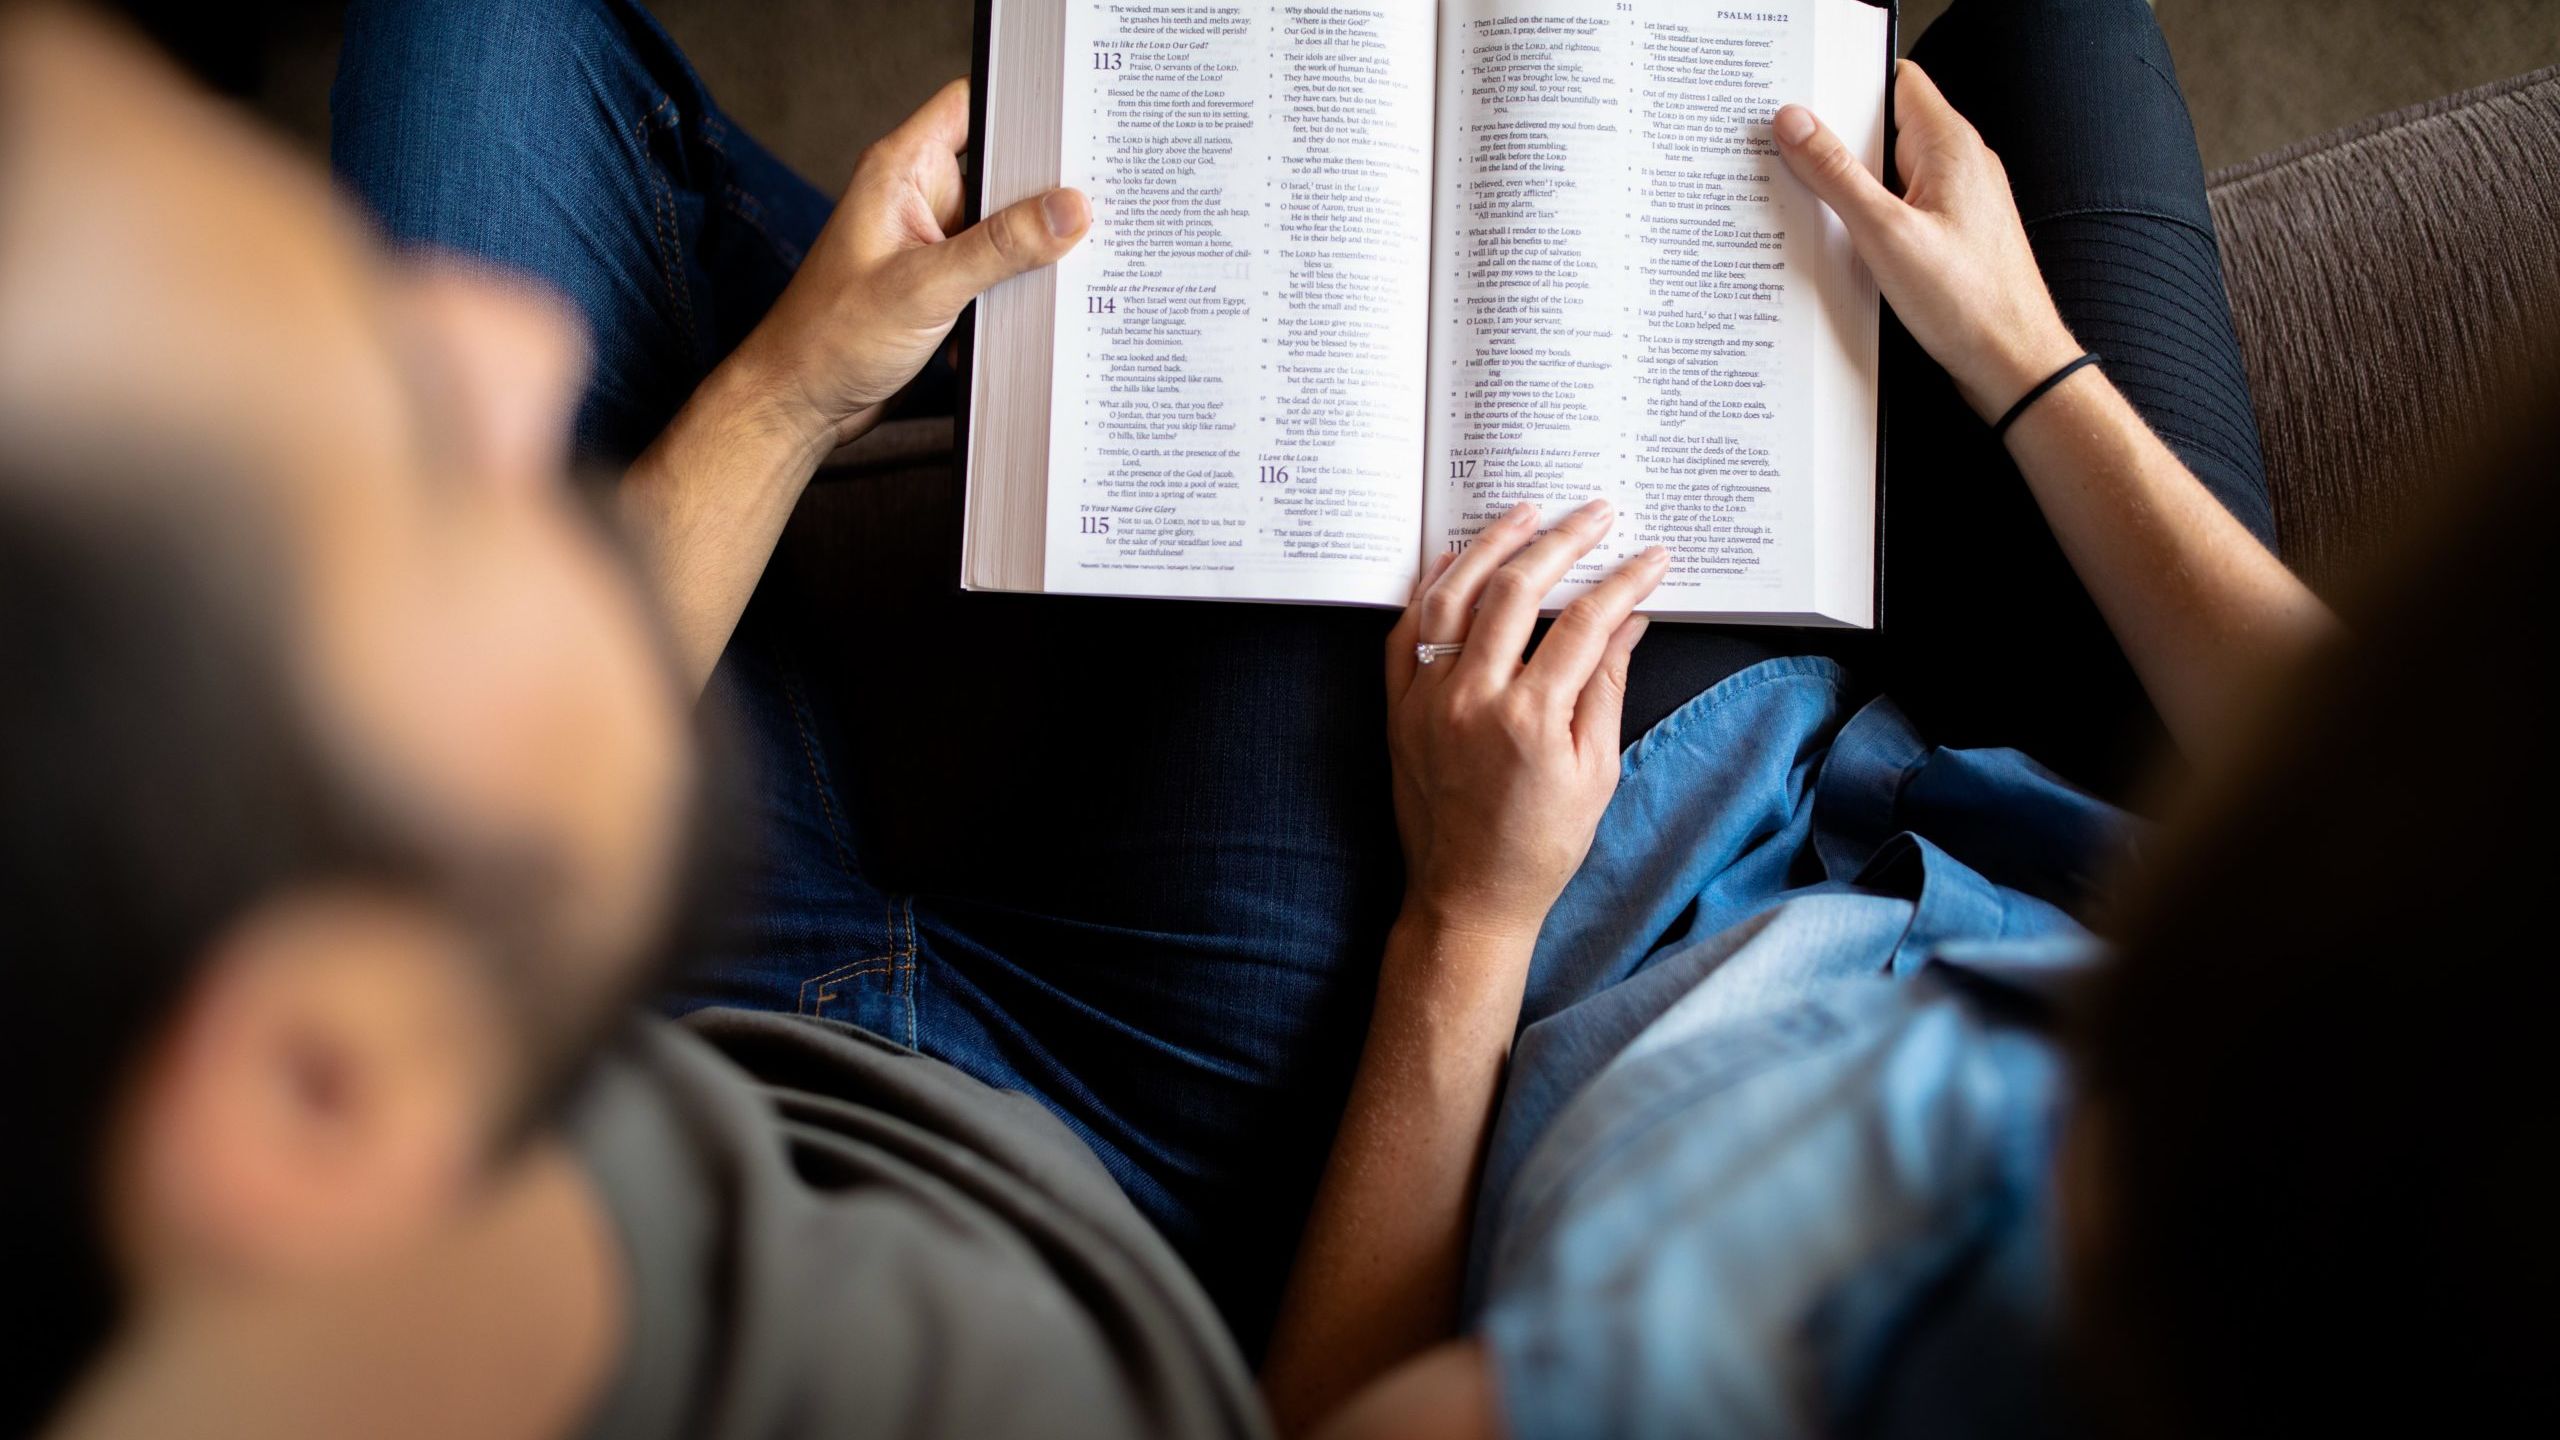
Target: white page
1238,398
1631,292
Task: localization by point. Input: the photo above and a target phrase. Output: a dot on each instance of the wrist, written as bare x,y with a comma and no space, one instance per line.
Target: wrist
734,446
2018,364
1467,923
1457,957
1451,992
751,399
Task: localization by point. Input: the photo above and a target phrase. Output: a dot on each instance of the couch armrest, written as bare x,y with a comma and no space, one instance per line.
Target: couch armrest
2385,280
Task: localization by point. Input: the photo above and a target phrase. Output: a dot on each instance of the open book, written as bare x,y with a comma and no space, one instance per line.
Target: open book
1364,274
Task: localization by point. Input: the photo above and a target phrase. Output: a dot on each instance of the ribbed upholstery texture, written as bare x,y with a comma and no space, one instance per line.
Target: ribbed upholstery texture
2385,279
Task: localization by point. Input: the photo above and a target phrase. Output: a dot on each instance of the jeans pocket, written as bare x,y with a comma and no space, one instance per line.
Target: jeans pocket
876,993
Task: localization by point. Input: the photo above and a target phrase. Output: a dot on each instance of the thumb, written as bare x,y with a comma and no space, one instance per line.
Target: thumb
1604,695
1021,237
1920,109
1831,171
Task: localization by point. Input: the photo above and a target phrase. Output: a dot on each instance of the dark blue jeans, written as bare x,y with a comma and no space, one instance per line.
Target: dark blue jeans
1136,859
1154,862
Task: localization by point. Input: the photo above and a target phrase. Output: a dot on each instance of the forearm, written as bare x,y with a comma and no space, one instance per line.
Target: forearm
2200,608
1378,1271
1502,770
2203,612
706,504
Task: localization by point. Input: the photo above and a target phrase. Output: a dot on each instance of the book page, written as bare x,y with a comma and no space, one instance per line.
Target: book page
1237,408
1635,299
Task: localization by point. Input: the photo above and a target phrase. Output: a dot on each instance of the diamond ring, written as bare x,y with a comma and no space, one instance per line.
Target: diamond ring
1426,653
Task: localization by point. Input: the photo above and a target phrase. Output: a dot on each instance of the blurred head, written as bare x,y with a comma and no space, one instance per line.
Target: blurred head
2306,1183
343,778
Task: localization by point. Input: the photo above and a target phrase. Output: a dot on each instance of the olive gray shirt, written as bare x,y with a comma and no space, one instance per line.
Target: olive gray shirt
828,1234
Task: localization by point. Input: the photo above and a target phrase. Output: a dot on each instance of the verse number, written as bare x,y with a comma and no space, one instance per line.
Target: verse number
1102,304
1107,59
1275,474
1093,525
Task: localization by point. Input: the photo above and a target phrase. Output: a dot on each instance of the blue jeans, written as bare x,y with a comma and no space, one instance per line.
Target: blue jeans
1136,859
1133,859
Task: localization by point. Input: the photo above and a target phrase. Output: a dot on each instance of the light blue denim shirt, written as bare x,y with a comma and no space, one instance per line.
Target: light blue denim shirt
1774,1158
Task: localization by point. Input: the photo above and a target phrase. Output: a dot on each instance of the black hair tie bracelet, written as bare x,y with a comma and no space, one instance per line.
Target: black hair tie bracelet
2001,430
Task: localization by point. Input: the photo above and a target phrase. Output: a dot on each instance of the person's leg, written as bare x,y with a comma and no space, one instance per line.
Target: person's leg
1156,856
1150,844
1990,637
1154,862
571,140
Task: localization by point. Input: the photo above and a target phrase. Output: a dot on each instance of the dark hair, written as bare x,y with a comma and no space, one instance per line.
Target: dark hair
163,775
158,779
2319,1074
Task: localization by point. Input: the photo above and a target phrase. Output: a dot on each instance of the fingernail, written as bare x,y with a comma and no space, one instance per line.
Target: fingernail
1522,513
1593,510
1065,211
1795,125
1654,555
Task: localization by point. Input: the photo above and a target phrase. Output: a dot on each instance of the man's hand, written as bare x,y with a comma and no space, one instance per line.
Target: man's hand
888,277
872,301
1951,256
1502,766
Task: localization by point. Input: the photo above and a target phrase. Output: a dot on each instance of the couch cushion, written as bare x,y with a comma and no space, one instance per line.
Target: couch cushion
2386,280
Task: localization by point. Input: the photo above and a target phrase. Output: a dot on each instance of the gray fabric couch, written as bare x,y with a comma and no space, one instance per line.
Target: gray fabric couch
2387,279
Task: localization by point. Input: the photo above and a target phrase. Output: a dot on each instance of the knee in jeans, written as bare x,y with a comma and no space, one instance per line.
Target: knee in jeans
511,65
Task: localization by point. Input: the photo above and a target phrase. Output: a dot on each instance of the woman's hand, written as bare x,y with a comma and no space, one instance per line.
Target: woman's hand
2201,609
1951,255
887,277
1502,767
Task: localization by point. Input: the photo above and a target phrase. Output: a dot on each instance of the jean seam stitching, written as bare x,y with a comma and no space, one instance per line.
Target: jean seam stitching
909,968
2171,80
745,207
874,965
2081,211
735,199
842,846
662,207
